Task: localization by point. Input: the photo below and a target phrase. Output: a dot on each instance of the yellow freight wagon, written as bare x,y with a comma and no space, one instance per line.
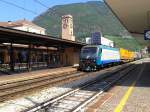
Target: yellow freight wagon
131,55
126,55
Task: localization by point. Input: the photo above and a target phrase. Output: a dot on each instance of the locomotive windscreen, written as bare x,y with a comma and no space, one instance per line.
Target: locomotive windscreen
88,52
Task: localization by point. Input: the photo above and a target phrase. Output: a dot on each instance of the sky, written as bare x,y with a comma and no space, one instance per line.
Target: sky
10,12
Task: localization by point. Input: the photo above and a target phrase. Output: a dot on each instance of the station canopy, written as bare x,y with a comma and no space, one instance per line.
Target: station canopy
8,35
133,14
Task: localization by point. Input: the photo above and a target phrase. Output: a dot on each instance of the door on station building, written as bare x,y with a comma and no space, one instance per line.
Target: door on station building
22,56
54,59
1,57
1,60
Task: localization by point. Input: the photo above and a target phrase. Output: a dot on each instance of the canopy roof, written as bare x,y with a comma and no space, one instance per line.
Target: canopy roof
133,14
8,35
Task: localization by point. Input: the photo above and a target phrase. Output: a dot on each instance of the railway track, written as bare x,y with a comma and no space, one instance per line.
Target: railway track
21,86
11,90
76,100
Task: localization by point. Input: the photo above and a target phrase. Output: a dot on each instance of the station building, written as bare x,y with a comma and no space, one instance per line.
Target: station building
22,50
24,25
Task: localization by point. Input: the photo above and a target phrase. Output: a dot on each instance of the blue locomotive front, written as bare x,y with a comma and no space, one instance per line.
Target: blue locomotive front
89,58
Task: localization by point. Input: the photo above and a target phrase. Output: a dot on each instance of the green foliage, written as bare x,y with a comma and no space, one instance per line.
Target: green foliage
127,43
88,17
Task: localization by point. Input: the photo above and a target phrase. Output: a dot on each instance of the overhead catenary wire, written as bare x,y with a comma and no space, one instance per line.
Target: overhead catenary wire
20,7
39,2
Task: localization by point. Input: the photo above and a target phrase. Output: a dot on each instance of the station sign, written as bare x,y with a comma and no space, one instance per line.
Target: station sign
147,34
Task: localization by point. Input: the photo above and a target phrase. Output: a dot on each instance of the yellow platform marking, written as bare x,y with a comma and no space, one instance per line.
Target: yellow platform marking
127,94
125,98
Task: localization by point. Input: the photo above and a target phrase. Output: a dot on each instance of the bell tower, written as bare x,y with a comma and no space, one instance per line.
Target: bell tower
67,27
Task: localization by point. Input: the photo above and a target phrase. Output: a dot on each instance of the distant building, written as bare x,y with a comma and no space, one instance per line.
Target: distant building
67,27
145,50
24,25
88,40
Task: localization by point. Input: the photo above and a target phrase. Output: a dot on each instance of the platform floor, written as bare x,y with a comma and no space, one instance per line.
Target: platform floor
131,94
4,79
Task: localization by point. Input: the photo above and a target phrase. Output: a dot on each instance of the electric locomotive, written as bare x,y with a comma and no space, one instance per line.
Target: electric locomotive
93,57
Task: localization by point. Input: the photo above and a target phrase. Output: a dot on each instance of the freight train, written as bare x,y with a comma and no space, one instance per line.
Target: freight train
93,57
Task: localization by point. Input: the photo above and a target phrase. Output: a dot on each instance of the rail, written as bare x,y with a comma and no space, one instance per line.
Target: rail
62,104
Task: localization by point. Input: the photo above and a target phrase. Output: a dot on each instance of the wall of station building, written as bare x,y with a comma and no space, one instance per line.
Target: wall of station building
31,28
69,57
72,55
4,56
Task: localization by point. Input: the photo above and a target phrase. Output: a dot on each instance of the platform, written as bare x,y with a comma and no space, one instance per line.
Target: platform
5,79
130,94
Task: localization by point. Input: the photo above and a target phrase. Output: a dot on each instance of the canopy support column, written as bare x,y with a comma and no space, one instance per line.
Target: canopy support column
47,57
12,64
29,58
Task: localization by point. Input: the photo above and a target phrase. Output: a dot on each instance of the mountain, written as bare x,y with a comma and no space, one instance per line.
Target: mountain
87,17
